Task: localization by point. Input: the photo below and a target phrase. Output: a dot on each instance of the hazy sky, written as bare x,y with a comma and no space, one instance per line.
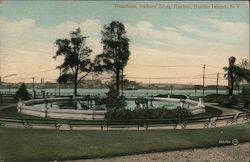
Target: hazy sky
159,36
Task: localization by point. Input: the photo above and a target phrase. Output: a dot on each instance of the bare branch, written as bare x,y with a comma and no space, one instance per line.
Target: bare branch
82,77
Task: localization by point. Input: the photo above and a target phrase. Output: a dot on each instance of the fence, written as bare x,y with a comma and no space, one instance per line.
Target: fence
142,124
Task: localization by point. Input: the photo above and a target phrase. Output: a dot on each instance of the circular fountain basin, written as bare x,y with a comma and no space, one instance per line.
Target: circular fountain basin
82,109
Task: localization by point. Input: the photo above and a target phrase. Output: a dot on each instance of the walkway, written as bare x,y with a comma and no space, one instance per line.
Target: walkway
215,154
225,111
193,125
5,106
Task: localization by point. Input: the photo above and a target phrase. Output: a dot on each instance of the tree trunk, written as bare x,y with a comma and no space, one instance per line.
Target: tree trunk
231,88
118,83
75,85
230,92
76,75
75,88
230,82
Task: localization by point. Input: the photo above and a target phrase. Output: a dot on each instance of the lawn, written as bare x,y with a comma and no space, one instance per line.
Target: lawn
12,113
43,145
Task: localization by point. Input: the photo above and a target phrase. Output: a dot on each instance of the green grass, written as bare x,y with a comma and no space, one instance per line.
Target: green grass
6,99
43,145
12,113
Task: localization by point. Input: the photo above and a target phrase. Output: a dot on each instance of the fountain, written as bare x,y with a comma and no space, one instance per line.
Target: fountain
94,108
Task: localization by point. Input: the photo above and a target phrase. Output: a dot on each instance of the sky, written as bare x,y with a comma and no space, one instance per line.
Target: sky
168,45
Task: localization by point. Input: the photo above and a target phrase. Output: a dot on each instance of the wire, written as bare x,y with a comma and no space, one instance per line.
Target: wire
209,78
205,75
165,65
214,66
184,77
172,66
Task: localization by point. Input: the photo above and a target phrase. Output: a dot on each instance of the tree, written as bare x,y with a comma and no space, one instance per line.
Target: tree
236,74
77,64
22,93
116,52
244,63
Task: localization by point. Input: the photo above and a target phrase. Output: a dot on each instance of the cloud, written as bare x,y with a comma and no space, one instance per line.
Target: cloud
26,46
187,44
90,28
144,25
213,38
220,31
26,35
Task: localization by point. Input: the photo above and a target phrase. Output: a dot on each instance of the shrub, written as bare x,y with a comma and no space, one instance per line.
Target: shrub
246,104
1,98
181,113
159,113
229,101
246,90
22,93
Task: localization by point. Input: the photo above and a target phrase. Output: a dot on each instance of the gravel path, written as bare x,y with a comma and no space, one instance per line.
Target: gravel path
222,123
225,111
4,106
239,153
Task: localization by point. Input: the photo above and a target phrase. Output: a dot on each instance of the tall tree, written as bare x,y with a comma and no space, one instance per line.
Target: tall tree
116,52
77,63
235,74
244,64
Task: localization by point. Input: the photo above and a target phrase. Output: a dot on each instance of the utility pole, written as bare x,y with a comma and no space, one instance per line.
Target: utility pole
33,86
217,84
59,85
149,83
203,89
